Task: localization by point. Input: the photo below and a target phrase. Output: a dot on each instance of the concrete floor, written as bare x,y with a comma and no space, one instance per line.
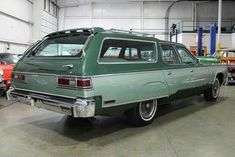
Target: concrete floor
186,128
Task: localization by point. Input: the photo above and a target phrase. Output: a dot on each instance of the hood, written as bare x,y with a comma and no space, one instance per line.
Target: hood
208,59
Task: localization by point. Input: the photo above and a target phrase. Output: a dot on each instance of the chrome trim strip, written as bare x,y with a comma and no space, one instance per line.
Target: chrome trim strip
46,93
62,103
47,74
128,39
103,75
136,101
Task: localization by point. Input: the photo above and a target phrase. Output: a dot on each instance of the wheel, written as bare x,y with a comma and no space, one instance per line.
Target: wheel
212,93
143,114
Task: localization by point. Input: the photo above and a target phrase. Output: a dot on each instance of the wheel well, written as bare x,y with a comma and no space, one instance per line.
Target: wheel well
220,77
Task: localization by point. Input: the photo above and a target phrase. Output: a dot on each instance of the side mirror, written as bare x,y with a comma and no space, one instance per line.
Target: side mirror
198,61
20,55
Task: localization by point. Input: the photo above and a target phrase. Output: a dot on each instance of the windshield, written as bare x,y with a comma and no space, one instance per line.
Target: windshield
61,46
9,58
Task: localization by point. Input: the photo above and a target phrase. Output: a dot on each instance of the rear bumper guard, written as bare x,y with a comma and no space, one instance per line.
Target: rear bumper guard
79,108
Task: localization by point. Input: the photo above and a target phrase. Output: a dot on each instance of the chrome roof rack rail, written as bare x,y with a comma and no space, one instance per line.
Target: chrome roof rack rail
131,32
92,30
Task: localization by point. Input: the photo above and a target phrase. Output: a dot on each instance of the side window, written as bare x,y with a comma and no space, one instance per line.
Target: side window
185,55
117,50
112,52
169,55
131,54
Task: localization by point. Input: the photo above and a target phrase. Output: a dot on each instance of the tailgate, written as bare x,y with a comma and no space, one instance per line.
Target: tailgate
58,55
41,76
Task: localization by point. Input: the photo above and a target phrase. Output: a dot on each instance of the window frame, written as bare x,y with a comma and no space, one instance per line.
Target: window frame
36,46
128,62
176,53
188,52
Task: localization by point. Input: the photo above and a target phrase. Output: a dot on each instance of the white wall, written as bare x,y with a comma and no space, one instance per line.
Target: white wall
147,16
15,25
23,22
48,23
44,22
233,40
189,39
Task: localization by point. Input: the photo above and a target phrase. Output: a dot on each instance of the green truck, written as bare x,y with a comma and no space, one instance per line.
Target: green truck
91,71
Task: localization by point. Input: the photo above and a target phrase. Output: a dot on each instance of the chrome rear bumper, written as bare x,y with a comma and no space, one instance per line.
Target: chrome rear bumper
78,108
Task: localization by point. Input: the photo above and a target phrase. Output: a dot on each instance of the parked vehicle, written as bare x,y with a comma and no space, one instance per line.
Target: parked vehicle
227,56
89,72
231,74
7,62
209,59
224,56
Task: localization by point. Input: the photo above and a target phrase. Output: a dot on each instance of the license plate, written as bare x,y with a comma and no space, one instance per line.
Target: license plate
38,79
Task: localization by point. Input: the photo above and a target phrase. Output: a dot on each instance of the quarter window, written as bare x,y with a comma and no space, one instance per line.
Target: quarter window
169,55
116,50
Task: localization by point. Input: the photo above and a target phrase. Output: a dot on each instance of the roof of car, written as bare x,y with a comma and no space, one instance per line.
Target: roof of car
95,30
92,30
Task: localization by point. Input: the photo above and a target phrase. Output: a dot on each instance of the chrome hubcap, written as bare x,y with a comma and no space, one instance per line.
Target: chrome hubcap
147,109
216,89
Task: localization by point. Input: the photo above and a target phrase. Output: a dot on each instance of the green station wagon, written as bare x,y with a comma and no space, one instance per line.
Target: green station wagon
91,71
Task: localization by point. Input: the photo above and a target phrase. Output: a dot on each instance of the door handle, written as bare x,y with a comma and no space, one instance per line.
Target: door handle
169,73
191,70
69,66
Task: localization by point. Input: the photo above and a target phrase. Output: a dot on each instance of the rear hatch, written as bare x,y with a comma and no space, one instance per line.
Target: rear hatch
56,57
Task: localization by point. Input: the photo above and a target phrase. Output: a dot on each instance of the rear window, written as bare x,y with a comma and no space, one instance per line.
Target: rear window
117,50
65,46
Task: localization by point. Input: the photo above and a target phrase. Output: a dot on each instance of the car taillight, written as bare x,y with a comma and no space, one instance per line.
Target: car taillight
75,82
70,82
84,83
18,76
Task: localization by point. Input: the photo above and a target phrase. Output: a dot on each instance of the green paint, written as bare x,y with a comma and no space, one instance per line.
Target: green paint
209,59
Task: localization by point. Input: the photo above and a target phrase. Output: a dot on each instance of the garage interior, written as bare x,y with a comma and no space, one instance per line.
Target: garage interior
190,127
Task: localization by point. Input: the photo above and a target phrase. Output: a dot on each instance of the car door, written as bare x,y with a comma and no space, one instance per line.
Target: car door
177,74
200,75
